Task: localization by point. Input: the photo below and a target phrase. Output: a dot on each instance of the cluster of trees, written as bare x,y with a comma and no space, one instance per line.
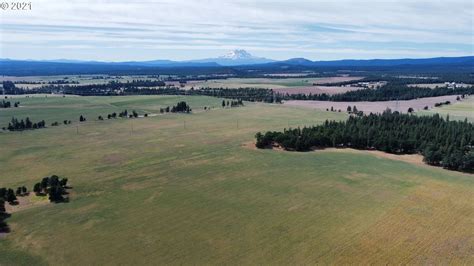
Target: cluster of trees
445,143
123,114
9,195
181,107
442,103
3,215
8,104
232,103
389,92
20,125
52,186
6,195
10,88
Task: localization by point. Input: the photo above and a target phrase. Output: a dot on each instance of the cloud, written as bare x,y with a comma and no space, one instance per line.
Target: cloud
130,30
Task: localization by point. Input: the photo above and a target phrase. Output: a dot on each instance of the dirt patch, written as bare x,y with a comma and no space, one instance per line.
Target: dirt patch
249,145
114,158
27,202
375,107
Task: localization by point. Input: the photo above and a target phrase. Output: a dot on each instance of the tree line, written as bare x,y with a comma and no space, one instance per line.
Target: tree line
20,125
232,103
121,89
441,142
8,104
388,92
393,90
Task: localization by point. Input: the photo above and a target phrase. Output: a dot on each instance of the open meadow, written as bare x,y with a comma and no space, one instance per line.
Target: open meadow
284,84
377,106
457,110
192,189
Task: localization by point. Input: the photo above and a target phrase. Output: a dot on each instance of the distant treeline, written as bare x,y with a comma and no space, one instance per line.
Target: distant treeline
8,104
388,92
391,91
445,143
148,88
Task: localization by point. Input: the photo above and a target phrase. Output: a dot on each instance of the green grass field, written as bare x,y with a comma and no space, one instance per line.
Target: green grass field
191,189
458,110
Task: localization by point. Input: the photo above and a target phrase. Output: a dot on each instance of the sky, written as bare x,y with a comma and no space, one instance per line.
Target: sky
123,30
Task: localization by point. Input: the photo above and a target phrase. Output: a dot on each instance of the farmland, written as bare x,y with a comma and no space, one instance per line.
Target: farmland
457,110
192,189
378,107
269,83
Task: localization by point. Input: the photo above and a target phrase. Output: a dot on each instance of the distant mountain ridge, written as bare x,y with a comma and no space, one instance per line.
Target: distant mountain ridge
240,57
235,62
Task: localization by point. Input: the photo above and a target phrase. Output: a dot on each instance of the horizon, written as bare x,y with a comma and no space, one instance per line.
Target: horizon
195,59
317,30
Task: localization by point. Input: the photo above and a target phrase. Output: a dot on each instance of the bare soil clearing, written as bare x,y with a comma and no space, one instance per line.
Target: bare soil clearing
27,202
374,107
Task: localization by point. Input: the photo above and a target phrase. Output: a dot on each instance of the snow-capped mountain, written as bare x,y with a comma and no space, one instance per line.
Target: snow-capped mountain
237,54
236,57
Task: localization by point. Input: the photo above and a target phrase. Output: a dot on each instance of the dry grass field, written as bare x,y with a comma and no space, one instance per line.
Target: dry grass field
268,83
187,189
374,107
330,90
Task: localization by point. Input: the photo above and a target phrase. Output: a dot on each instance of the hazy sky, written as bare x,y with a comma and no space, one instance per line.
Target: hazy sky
178,29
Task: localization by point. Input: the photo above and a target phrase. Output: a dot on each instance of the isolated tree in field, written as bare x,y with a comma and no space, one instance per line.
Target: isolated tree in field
63,182
223,103
19,191
82,118
3,193
53,181
44,183
37,188
2,208
354,109
410,110
349,109
101,118
11,197
56,194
